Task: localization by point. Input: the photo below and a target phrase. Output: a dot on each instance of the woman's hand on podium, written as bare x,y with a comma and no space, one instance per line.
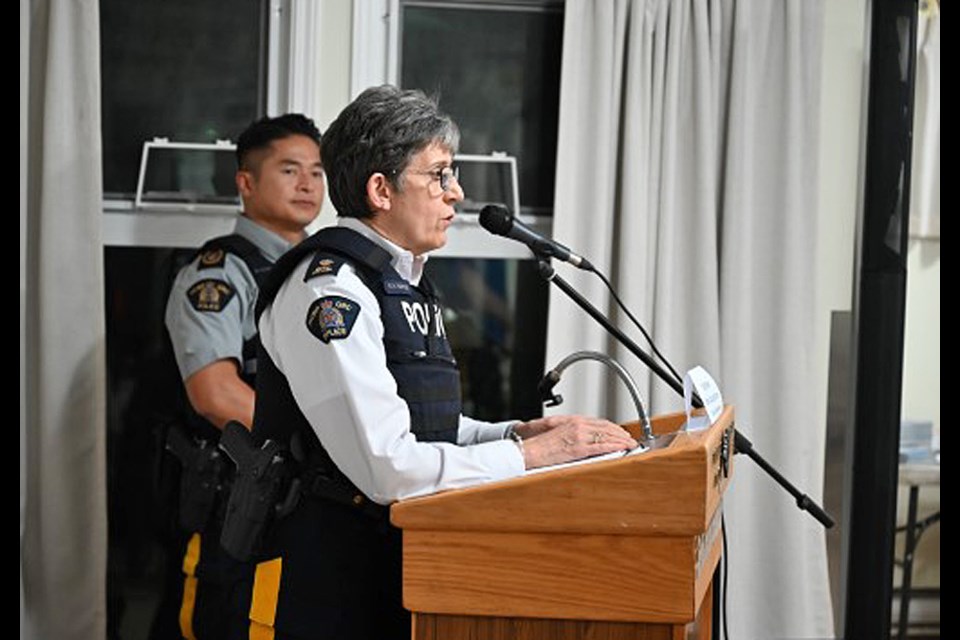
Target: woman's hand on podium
559,439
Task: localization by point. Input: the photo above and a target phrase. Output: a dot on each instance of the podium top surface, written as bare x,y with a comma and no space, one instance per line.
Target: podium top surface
672,490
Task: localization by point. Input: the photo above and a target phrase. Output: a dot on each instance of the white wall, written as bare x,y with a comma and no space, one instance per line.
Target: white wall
840,109
921,357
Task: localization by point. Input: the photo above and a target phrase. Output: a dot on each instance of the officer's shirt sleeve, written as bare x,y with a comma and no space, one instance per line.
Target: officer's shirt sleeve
349,397
474,431
209,313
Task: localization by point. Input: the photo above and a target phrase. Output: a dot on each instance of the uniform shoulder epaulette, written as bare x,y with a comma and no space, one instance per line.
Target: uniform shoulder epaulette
211,257
323,264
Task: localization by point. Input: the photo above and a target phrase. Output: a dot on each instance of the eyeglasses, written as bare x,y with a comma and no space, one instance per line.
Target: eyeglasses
445,177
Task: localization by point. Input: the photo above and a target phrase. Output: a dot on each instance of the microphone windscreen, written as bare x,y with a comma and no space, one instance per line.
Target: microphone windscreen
496,219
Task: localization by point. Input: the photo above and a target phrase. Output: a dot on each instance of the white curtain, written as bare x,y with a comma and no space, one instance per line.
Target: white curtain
687,172
63,533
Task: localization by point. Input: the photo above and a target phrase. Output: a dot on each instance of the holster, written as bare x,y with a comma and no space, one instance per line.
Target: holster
202,469
263,488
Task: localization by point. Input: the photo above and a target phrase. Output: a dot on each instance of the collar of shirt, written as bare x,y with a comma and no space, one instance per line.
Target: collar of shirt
409,266
270,244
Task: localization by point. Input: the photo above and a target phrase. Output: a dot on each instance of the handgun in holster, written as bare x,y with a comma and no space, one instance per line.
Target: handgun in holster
200,477
263,489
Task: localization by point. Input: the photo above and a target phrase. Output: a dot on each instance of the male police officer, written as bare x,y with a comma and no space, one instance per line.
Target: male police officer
210,318
357,375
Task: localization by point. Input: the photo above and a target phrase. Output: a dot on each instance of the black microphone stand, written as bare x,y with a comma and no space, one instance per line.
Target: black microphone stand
741,443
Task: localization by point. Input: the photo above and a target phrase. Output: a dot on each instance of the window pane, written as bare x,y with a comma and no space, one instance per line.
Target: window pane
191,176
183,70
497,72
495,314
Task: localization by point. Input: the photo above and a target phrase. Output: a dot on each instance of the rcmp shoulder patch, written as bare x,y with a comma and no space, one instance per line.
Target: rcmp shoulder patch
211,259
323,264
210,295
332,318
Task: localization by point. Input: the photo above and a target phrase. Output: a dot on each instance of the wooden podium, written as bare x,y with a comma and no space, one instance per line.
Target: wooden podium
623,548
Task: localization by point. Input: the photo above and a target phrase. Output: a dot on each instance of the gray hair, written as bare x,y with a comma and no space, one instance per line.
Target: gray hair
380,131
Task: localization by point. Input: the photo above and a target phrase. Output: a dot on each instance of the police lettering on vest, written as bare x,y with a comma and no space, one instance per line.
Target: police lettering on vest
421,318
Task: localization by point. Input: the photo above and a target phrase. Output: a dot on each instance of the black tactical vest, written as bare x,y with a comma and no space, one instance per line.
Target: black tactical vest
418,353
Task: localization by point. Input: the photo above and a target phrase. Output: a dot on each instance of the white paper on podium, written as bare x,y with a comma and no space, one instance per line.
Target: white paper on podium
607,456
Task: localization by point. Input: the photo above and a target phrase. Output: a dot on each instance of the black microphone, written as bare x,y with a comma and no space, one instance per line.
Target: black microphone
498,221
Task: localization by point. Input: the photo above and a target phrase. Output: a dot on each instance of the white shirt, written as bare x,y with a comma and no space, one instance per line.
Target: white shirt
349,397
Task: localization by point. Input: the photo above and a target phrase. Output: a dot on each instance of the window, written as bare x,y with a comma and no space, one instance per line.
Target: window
187,71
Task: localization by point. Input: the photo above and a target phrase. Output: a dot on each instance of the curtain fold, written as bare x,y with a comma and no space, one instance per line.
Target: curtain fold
686,171
63,534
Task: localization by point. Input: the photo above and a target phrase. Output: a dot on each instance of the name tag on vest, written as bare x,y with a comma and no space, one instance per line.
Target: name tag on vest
396,288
